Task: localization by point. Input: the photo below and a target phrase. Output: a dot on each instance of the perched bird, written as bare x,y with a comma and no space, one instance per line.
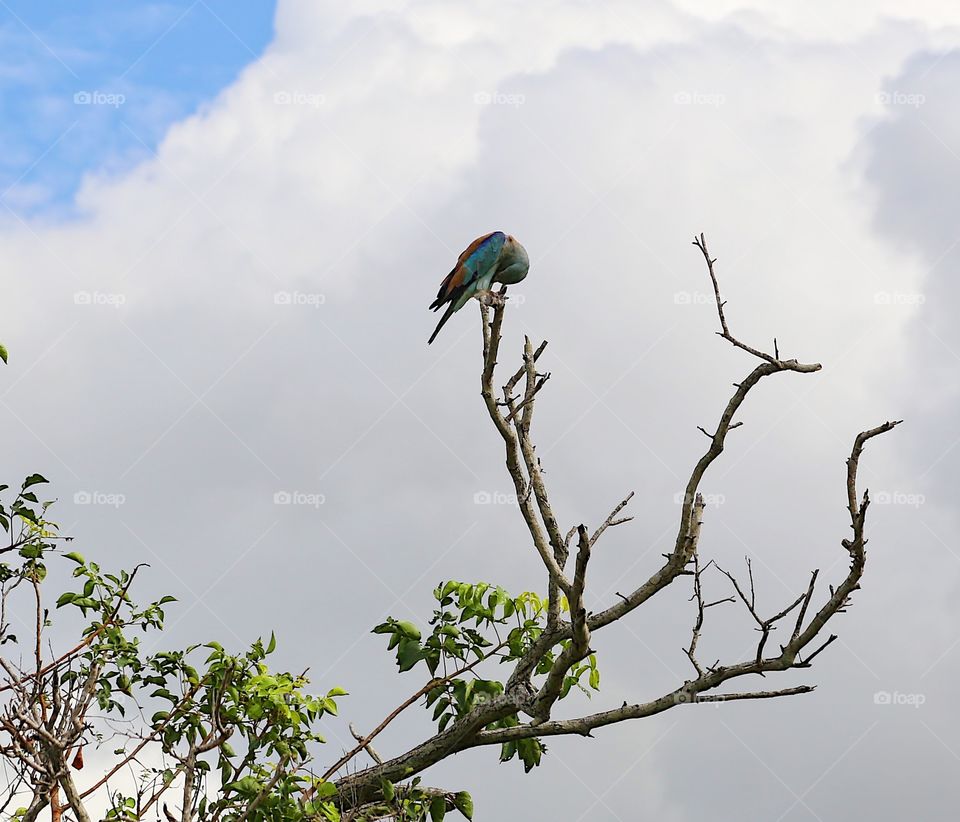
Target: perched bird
493,258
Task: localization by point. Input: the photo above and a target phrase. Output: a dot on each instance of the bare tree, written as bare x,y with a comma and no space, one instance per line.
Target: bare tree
533,697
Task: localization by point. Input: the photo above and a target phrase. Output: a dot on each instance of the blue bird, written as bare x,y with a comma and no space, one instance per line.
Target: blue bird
492,258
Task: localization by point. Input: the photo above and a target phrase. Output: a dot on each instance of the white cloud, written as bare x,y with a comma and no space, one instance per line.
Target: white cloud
609,135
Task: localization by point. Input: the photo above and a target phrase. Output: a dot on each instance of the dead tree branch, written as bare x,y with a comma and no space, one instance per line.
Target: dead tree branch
513,416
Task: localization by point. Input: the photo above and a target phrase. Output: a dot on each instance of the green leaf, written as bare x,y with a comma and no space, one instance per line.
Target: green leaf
272,645
337,692
442,705
248,786
530,751
387,789
408,629
463,802
34,479
408,654
3,354
438,809
76,557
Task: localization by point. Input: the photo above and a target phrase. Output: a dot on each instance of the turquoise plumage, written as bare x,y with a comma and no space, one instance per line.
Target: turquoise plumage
494,257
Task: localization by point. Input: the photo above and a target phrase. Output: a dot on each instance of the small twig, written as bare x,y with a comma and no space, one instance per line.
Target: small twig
368,747
799,689
611,521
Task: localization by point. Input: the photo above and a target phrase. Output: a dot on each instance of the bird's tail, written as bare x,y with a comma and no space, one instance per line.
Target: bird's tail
446,316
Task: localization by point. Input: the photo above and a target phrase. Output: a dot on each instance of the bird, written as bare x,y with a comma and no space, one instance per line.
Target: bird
493,258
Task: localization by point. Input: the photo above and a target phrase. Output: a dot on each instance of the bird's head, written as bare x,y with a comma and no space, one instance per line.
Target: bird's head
515,252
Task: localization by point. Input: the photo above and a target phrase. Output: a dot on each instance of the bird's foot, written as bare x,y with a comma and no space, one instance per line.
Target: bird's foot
494,298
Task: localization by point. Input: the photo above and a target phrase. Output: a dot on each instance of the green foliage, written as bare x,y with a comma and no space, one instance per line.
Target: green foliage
248,732
251,730
239,733
472,624
413,803
24,514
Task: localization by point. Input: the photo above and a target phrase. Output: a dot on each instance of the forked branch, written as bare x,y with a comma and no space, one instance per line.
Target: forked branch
571,628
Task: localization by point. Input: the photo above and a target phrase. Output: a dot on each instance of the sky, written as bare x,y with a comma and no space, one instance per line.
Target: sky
216,268
95,87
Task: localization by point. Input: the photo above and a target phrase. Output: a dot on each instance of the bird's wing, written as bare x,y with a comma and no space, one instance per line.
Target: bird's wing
477,258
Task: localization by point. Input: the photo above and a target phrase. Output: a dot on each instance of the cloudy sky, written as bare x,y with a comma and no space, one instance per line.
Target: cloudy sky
220,231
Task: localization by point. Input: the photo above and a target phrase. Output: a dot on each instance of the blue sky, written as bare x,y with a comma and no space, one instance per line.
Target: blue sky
140,66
